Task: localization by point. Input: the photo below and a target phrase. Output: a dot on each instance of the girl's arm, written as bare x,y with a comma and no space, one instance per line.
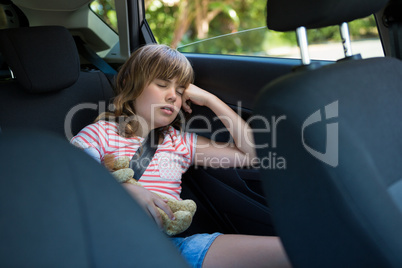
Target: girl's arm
147,200
218,154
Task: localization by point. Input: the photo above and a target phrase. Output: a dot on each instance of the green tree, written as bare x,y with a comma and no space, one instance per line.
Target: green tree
188,19
181,22
107,11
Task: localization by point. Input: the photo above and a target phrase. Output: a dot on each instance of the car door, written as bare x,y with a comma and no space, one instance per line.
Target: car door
233,196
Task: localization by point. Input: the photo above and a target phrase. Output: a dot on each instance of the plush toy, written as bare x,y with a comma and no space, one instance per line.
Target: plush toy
183,210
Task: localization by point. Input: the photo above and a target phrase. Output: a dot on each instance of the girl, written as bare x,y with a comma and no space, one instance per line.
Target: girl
151,88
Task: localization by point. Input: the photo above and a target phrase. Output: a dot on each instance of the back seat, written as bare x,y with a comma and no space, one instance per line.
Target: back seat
49,91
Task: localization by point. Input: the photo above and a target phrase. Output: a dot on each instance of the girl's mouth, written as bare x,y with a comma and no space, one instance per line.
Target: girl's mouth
167,110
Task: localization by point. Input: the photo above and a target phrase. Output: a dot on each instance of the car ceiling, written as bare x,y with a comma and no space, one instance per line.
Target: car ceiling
52,5
76,17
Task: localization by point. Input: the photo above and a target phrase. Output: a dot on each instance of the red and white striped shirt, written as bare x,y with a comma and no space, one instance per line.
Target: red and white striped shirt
172,158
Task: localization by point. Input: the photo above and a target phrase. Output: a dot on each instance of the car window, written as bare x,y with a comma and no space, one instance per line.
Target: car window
3,19
238,28
106,10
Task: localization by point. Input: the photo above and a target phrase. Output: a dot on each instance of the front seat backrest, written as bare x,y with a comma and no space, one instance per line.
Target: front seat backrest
337,199
60,208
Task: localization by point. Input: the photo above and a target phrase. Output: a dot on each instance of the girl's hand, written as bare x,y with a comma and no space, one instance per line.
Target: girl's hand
149,201
195,95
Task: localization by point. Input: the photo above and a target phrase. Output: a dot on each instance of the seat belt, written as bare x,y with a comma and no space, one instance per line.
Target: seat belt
143,156
87,53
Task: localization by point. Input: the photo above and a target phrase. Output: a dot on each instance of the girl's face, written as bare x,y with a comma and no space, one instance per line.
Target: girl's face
160,102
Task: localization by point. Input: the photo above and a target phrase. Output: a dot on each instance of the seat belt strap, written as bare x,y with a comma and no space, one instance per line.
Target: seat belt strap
143,156
87,53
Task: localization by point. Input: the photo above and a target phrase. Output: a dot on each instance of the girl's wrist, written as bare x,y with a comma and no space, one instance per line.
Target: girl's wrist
212,100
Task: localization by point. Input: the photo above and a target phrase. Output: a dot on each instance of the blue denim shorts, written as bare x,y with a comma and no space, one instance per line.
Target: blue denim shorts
195,247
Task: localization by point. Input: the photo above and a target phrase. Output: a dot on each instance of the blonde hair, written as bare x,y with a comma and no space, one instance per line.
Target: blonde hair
144,65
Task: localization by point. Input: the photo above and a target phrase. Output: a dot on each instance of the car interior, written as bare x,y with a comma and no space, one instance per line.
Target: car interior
335,201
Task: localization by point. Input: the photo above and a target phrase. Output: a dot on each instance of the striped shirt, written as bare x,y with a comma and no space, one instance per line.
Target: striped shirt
163,175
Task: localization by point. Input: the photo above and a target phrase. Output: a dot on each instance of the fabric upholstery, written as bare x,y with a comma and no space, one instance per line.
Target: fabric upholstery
347,214
60,208
44,59
49,92
336,202
287,15
55,111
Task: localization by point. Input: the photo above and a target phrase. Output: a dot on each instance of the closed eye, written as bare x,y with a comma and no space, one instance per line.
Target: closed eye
180,90
161,83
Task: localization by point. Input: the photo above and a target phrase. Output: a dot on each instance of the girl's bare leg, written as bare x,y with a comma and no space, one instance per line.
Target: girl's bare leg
246,251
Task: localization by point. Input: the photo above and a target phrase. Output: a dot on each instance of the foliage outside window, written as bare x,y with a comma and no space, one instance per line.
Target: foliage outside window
242,22
181,22
106,10
236,27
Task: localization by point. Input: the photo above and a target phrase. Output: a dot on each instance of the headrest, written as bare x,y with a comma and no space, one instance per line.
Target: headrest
42,59
287,15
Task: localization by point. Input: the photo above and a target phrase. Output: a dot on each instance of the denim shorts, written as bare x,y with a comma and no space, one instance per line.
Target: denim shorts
195,247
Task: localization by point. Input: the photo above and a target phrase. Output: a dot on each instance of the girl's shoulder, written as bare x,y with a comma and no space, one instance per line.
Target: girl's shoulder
102,125
96,130
105,124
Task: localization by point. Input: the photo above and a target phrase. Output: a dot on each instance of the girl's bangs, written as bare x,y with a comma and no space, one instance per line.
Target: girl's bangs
176,67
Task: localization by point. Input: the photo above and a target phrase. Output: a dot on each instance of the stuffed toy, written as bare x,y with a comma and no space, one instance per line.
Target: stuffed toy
183,210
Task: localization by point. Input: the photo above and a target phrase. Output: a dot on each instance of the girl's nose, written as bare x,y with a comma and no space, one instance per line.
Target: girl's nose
171,95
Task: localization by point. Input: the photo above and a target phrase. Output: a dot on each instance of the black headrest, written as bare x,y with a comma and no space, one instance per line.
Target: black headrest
43,59
287,15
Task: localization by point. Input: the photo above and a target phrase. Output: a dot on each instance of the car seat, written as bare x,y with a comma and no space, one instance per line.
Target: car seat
336,199
60,208
48,90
